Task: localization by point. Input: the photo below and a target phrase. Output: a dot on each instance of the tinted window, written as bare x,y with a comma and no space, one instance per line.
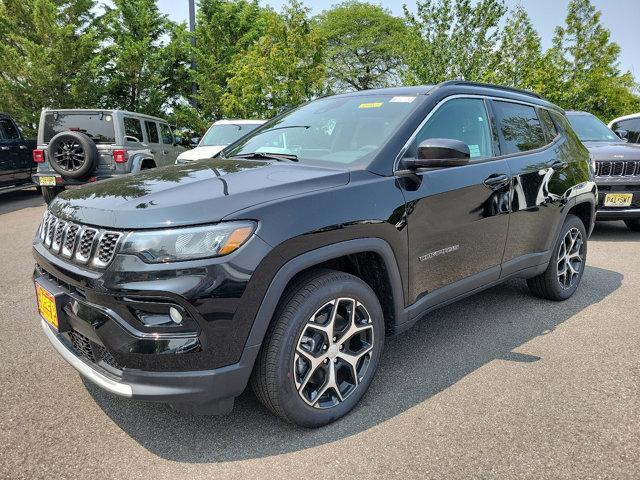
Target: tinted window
227,133
10,130
590,129
550,129
132,128
463,119
338,130
152,131
98,126
519,127
632,126
167,136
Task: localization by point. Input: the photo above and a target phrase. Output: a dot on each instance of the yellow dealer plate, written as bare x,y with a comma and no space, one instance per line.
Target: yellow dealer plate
47,181
618,199
47,306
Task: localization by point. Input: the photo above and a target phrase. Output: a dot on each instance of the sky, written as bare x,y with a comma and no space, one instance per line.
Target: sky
620,17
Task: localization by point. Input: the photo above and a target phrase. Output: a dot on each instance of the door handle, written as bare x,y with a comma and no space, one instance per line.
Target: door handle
5,148
165,152
23,147
497,181
559,165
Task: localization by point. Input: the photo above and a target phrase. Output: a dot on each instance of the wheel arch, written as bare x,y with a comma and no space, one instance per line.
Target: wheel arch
362,257
141,162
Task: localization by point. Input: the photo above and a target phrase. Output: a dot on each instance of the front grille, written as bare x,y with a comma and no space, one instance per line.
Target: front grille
618,169
86,245
92,351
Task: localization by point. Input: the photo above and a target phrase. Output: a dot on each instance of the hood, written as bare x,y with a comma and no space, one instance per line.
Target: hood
201,153
613,151
199,192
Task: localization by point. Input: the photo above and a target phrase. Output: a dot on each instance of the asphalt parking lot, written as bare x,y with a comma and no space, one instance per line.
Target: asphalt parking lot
501,385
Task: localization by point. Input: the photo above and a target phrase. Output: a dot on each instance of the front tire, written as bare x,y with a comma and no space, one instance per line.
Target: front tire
561,278
49,193
322,349
633,225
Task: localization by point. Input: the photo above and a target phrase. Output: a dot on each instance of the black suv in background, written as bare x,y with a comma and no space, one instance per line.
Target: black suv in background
16,156
286,261
617,167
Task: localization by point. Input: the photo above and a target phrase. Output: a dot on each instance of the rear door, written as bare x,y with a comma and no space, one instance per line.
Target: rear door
541,176
458,217
20,155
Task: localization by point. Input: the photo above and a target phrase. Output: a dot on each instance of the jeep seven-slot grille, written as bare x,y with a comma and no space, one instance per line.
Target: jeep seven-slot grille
85,245
618,169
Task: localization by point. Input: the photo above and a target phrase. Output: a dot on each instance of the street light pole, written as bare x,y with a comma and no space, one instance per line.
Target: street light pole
192,29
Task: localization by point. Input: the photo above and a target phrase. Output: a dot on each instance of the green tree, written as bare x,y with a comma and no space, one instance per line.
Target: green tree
145,58
452,39
224,30
581,69
363,46
282,69
48,51
518,59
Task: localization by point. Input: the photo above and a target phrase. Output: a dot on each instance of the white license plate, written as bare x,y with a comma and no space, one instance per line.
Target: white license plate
47,181
618,199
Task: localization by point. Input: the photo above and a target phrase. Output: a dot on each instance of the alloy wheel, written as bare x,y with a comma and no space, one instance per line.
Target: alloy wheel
69,155
333,353
570,258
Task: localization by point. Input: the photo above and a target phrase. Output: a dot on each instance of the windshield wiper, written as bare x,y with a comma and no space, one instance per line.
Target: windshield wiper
269,156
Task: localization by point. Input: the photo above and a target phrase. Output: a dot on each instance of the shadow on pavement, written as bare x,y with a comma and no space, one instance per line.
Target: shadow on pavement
438,352
14,201
613,232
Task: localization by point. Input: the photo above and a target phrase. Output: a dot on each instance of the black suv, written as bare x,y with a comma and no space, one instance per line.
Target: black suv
16,156
617,167
286,261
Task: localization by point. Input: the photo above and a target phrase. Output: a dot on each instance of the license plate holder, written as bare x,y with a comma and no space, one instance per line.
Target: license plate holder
47,181
50,301
618,199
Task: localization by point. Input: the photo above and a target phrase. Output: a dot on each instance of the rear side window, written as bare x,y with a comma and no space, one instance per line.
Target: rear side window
519,126
97,125
463,119
165,132
632,126
550,129
9,129
152,131
132,128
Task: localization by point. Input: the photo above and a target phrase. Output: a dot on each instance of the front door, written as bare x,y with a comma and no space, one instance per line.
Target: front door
457,216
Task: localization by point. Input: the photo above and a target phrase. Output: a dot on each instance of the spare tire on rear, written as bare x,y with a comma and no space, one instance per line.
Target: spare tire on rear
73,154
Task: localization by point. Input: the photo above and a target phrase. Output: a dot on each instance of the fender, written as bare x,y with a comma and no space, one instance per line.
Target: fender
138,158
314,257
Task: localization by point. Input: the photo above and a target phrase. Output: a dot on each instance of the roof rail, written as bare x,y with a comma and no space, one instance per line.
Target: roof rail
489,85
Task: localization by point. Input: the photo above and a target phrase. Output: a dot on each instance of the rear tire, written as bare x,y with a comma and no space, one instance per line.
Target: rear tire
321,350
633,225
561,278
49,193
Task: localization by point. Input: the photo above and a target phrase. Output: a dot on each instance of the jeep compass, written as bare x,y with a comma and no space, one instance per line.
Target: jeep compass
285,262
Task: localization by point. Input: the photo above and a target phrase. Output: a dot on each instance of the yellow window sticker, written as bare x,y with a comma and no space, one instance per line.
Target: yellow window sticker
371,105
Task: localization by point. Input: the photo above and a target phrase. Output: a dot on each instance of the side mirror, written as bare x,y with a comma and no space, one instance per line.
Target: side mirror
623,134
439,153
194,142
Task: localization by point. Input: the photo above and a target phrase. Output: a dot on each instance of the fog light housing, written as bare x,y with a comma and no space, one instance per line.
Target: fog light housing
175,315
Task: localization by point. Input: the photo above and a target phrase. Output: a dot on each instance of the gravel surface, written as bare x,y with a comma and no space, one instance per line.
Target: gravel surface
500,385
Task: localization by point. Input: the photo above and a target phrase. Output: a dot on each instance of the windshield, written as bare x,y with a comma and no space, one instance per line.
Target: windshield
590,129
97,125
338,130
226,133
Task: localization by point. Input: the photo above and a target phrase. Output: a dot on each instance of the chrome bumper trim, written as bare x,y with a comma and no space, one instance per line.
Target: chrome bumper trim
85,370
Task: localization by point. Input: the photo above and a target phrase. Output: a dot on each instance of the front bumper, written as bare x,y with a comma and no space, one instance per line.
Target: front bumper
207,392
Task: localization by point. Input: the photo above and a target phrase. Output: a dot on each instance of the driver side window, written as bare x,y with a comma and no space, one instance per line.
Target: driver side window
463,119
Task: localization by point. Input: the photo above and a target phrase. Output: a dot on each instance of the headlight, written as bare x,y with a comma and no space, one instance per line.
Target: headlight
179,244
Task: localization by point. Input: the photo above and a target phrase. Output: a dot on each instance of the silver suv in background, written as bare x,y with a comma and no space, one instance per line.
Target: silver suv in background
219,135
81,146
